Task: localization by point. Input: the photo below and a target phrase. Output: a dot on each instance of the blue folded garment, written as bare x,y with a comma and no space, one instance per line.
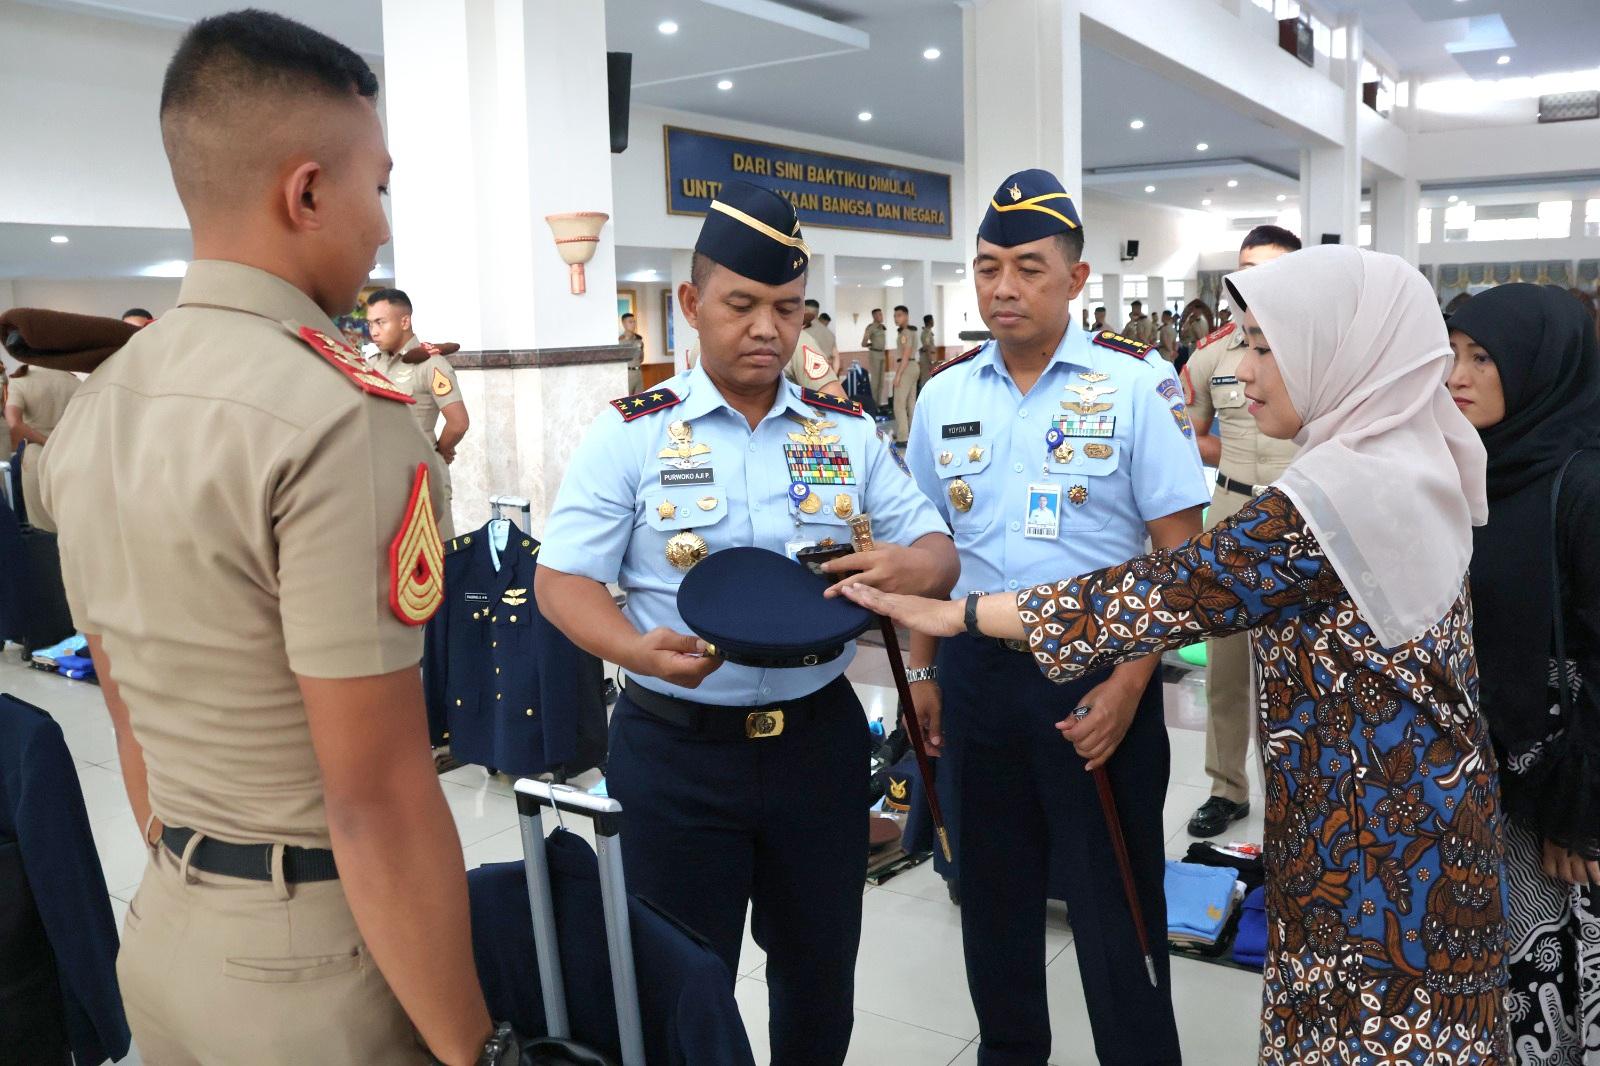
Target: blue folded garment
71,646
1250,945
1199,899
76,667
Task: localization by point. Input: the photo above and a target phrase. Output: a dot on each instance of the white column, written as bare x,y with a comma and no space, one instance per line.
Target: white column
919,291
819,278
1436,227
1111,297
474,178
1330,176
1575,227
1155,296
1394,217
684,337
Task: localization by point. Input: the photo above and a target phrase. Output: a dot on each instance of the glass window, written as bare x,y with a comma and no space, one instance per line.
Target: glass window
1555,218
1095,290
1424,225
1549,219
1591,219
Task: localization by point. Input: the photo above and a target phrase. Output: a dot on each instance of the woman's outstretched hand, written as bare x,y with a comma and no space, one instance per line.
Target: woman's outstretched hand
934,618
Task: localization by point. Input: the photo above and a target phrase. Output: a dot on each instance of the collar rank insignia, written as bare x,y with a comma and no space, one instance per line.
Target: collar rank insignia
349,363
830,403
1216,335
1118,343
645,403
416,558
958,360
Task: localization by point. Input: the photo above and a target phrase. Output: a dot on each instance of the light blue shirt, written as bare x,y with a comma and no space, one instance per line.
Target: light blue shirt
609,523
1128,464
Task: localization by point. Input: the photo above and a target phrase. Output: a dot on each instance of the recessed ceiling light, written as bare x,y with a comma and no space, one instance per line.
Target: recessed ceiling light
1282,197
1454,198
724,84
1205,203
1503,60
961,270
60,238
1202,146
1136,124
1233,183
1149,188
931,53
888,266
865,116
668,27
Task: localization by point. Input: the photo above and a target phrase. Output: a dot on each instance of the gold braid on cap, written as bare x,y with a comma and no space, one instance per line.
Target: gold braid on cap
1032,203
764,229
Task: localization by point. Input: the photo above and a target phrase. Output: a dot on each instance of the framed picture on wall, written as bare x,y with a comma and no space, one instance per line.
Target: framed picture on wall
666,321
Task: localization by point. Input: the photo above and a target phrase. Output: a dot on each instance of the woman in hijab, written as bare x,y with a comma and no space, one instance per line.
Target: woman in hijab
1527,375
1383,841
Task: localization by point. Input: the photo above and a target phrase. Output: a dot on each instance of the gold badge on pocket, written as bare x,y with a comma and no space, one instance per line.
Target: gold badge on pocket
686,548
843,505
961,495
1097,451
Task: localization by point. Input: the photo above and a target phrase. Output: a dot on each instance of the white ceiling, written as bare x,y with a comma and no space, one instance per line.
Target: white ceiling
1449,38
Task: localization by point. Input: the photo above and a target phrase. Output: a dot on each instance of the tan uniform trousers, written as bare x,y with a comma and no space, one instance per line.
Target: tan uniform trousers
905,399
1230,703
218,971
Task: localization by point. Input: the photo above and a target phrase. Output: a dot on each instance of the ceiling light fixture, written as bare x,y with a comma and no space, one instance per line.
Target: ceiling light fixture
1149,188
1136,124
931,53
865,116
60,238
1202,147
1233,183
888,266
1503,60
667,26
1454,198
724,84
1205,203
961,270
1282,197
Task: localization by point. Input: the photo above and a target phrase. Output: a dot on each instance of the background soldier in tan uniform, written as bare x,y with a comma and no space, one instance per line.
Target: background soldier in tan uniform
927,349
1141,327
229,489
1246,460
420,370
907,373
35,405
630,337
875,339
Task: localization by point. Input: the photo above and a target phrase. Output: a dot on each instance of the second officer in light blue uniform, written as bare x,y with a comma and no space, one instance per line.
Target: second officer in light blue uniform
741,786
1049,451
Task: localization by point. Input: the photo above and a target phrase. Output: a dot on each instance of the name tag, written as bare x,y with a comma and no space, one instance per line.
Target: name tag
687,477
1225,379
476,597
960,429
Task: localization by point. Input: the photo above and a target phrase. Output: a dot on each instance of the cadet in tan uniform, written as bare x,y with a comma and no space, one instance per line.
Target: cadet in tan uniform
875,339
34,407
1141,327
907,373
1246,461
811,369
419,369
254,598
822,329
630,338
927,350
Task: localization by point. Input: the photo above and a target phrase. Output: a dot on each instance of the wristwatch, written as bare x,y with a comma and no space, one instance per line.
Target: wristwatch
501,1049
922,673
972,615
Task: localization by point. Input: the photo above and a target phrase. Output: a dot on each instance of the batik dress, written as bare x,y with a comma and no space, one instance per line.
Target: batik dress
1383,849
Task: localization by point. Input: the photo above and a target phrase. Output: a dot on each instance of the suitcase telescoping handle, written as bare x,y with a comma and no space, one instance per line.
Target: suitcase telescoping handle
604,812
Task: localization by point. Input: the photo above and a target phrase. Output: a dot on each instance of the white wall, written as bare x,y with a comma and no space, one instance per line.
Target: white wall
1505,151
110,296
1509,251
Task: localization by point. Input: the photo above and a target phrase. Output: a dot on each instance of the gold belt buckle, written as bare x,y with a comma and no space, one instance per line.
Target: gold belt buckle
760,724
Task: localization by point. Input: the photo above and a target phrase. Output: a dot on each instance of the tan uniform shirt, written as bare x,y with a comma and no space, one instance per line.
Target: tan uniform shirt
41,395
825,340
876,338
227,498
1142,328
1212,389
432,383
808,366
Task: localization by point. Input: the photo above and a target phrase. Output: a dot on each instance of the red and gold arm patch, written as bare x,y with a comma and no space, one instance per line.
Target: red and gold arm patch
416,558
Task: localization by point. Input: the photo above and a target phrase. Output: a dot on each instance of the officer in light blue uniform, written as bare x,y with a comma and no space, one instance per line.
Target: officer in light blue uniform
741,785
1051,451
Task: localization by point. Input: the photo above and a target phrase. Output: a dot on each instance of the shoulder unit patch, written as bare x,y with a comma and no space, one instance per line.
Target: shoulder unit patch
948,363
348,362
645,403
416,558
1118,343
830,403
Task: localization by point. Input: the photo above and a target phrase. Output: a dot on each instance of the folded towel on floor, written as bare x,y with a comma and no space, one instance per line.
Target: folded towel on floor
1199,900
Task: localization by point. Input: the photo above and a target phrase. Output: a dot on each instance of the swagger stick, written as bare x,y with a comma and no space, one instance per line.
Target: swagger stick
1119,845
861,540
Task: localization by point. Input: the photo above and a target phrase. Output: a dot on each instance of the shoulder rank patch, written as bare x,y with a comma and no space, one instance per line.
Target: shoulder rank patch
830,403
416,558
948,363
441,383
816,364
645,403
1118,343
1216,335
349,363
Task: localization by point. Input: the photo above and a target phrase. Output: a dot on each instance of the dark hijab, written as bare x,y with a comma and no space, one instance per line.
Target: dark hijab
1546,350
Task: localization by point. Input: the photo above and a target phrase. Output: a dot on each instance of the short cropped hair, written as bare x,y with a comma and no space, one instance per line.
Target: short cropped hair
141,312
391,296
1273,236
813,305
901,308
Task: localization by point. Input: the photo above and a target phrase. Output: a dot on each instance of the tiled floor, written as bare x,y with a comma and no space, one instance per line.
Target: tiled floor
912,1007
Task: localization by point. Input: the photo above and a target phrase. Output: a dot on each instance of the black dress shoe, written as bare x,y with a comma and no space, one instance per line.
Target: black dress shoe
1215,815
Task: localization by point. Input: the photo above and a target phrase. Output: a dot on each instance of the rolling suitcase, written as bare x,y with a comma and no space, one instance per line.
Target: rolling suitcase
558,1048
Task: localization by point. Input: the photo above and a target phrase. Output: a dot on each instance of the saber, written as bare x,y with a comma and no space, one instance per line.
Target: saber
1119,845
861,540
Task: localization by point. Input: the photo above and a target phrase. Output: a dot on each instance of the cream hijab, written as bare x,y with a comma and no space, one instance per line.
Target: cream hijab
1390,474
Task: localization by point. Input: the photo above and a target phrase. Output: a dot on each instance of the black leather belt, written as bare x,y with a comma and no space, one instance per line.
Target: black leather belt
253,862
1239,486
733,723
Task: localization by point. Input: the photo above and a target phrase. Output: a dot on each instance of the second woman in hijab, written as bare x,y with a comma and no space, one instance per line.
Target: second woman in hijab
1383,838
1527,375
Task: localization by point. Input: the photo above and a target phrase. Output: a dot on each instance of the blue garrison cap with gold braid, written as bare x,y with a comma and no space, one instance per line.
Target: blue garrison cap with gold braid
1029,206
754,232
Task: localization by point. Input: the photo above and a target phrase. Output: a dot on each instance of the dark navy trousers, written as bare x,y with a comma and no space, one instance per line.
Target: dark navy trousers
779,824
1027,807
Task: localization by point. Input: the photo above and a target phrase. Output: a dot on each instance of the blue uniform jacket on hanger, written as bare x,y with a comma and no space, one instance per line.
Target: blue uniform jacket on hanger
505,688
50,877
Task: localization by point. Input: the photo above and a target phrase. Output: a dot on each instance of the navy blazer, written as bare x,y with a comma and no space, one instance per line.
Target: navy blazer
686,1003
505,688
43,818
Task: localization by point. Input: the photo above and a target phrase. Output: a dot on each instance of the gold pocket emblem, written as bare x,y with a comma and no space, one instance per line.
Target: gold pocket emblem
961,495
686,548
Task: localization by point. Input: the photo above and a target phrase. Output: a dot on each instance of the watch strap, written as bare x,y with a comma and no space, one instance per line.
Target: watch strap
971,615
